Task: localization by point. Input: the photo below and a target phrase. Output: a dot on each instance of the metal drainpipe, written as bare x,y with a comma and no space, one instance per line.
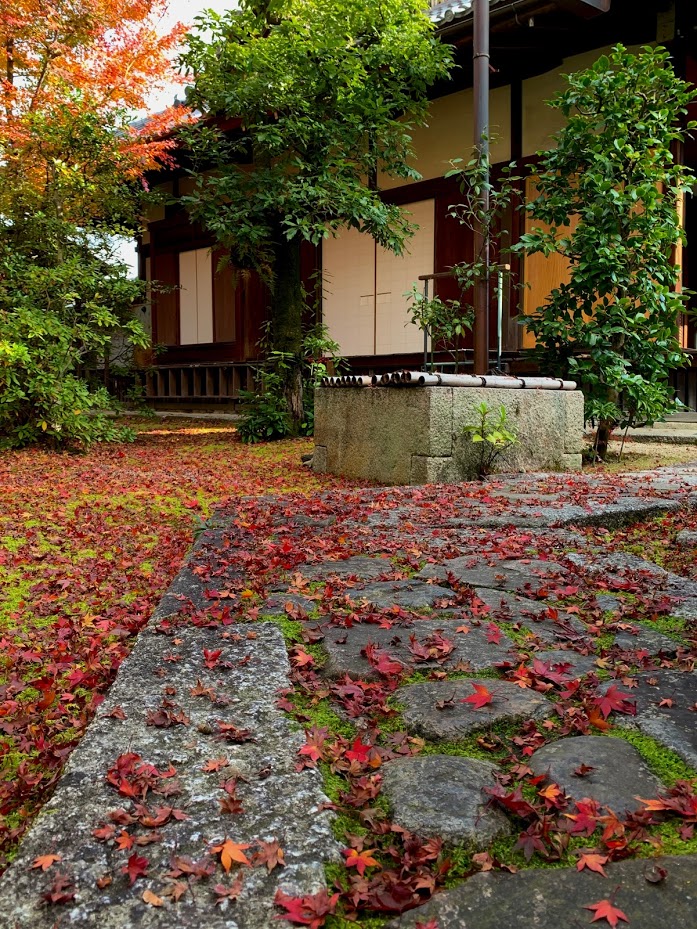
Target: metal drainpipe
480,9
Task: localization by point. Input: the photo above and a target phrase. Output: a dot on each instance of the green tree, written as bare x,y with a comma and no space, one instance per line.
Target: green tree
613,326
71,163
324,95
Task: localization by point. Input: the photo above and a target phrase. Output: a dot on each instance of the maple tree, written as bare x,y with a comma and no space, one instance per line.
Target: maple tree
73,76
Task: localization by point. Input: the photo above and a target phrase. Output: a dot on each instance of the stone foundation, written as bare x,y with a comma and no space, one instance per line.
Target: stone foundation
414,435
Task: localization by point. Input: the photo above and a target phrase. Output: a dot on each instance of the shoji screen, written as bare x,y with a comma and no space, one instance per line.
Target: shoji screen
363,288
195,297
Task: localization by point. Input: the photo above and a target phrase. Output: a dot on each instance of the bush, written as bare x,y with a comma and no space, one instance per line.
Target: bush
54,322
265,413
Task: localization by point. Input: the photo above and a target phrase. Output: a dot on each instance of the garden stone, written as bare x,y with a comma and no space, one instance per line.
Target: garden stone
608,603
409,594
673,726
456,720
531,614
580,664
619,772
555,898
686,539
269,787
345,647
442,795
505,575
687,609
275,605
361,566
647,640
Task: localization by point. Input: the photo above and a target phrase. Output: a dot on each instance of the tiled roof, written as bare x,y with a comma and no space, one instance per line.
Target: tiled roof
448,10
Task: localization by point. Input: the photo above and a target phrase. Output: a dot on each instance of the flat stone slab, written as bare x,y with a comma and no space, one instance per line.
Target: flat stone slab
637,568
619,772
442,795
239,691
533,615
510,574
673,725
361,566
455,720
578,664
686,538
275,605
647,640
555,898
409,594
345,647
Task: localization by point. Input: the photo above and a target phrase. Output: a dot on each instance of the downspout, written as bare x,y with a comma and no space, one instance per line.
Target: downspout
480,50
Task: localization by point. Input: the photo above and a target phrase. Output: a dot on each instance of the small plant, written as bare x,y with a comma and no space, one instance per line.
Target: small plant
492,435
265,414
446,321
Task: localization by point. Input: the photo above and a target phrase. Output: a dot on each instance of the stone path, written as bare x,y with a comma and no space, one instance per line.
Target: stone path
489,592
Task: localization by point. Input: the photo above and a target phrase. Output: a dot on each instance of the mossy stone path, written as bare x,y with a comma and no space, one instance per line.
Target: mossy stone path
486,610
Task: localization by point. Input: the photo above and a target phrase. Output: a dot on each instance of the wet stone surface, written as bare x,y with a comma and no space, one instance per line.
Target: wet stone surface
647,640
547,623
618,777
673,724
409,594
456,719
442,795
555,898
572,663
345,647
360,566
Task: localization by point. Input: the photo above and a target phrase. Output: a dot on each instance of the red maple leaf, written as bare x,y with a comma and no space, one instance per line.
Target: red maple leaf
593,862
382,662
211,656
493,634
614,699
481,697
359,752
137,867
310,910
605,909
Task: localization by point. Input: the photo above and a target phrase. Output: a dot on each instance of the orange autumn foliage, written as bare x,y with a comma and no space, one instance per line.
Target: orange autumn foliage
73,74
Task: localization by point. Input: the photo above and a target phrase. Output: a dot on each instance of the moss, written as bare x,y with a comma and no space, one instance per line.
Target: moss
672,626
665,763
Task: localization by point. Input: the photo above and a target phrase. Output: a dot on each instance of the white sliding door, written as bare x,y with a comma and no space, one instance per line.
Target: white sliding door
363,303
348,279
395,276
195,297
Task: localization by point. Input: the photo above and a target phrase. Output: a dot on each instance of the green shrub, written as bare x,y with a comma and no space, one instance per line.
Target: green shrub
54,322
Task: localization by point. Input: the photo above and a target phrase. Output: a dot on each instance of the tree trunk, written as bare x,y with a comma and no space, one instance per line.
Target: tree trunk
287,312
605,427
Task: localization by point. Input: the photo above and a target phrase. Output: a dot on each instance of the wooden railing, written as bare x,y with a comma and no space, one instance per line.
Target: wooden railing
184,385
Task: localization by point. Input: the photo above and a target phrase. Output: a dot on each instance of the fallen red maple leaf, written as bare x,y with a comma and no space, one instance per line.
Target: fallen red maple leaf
310,910
211,657
480,698
593,862
360,860
136,867
605,909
